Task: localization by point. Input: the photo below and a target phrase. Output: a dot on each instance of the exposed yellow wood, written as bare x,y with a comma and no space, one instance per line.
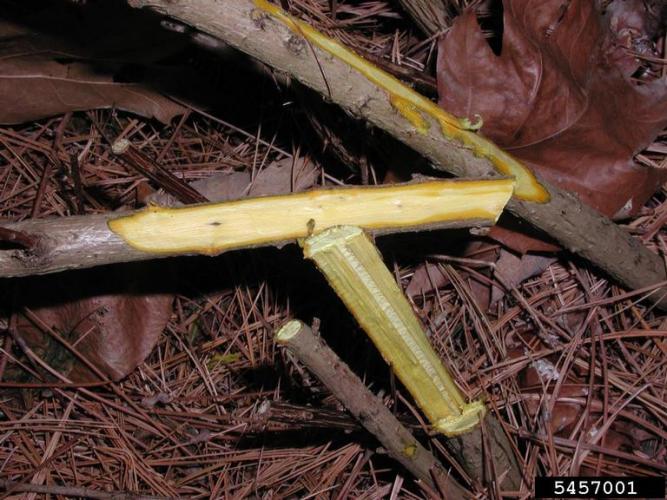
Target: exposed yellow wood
288,331
415,108
355,270
211,229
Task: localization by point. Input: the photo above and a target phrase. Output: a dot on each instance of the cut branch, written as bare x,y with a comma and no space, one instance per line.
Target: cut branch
87,241
354,268
368,408
263,31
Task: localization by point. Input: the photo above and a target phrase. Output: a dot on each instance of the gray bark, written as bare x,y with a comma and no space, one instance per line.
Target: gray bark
67,243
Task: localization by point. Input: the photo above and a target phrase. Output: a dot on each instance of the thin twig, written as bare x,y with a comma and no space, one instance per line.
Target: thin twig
74,491
373,415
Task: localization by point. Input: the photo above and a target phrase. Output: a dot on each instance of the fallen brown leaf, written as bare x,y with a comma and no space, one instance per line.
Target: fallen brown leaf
560,95
113,317
91,56
39,79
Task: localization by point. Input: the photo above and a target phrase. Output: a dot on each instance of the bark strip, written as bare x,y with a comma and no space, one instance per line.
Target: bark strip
577,227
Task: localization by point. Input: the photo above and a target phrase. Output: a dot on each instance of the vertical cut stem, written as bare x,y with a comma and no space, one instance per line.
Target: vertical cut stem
354,268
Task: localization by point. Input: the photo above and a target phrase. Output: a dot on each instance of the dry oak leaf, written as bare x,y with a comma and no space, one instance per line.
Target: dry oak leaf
559,97
113,316
42,77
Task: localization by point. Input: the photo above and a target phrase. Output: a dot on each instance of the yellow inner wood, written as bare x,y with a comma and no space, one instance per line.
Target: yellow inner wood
415,108
211,229
355,270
